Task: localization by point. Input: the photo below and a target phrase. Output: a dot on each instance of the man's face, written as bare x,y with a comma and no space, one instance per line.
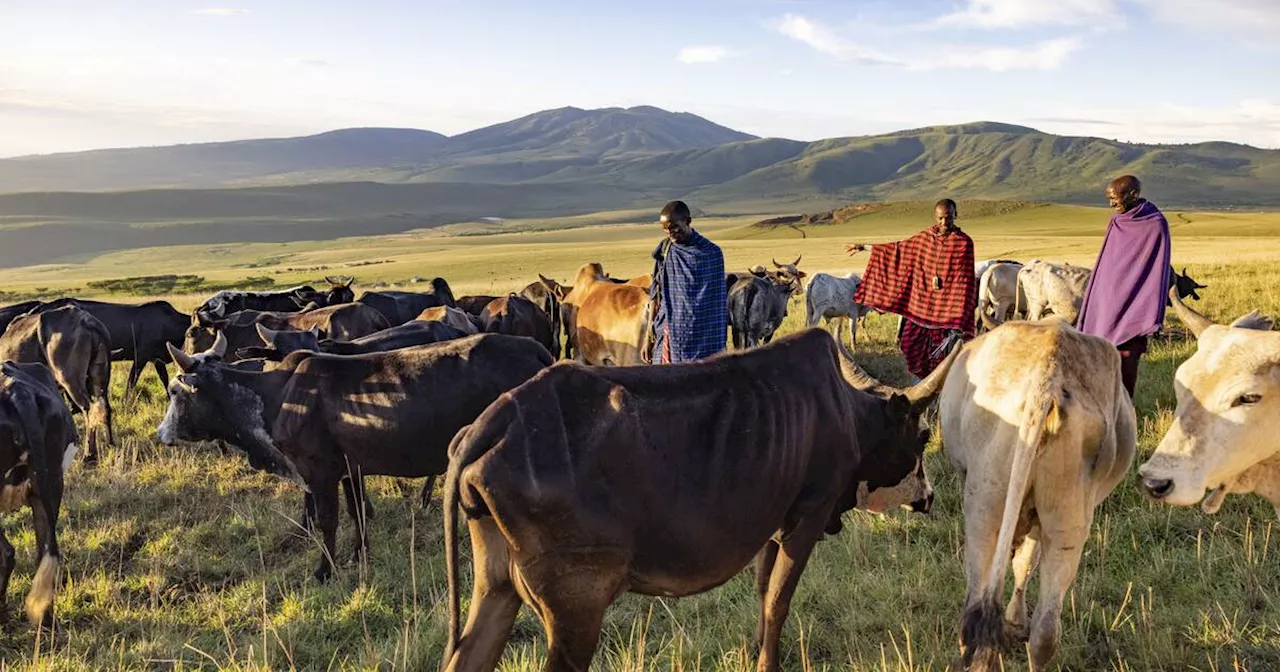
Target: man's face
945,216
677,229
1120,201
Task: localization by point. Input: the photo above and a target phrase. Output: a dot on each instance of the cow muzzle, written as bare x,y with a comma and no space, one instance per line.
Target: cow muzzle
1156,488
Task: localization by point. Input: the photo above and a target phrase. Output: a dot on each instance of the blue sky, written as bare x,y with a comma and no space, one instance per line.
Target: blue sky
88,74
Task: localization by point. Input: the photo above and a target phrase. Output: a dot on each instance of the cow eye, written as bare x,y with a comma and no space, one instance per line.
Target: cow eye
1246,400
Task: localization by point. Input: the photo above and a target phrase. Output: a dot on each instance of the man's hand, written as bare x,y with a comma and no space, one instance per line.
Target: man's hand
853,248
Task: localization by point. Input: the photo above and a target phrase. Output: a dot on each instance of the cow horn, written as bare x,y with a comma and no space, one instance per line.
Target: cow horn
1196,322
797,261
855,375
219,347
928,388
775,262
268,336
184,361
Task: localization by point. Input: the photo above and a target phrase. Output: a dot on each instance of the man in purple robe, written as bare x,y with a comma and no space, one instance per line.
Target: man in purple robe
1125,300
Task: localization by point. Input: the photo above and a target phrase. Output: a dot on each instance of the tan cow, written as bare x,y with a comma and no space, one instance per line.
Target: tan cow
1000,295
1224,432
1035,418
607,319
1052,288
454,317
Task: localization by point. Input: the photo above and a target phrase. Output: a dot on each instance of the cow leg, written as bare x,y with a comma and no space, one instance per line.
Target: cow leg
981,632
135,372
793,555
163,372
494,602
324,492
308,512
764,570
45,500
354,492
6,569
572,604
1024,562
1061,559
426,492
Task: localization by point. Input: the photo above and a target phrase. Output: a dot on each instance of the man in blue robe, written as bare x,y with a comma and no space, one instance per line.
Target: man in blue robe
690,318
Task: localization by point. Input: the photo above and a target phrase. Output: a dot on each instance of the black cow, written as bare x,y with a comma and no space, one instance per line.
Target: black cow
517,316
345,321
7,313
1185,285
277,344
401,307
138,333
474,305
339,292
227,302
318,417
588,482
757,307
37,444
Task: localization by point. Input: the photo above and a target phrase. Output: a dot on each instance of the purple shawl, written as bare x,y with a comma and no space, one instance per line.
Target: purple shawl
1126,294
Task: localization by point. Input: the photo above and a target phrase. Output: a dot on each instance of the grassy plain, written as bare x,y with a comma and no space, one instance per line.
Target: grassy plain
180,559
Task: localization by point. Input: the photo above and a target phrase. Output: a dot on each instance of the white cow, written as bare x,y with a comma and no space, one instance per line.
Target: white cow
1000,296
1035,418
1053,288
1225,435
830,298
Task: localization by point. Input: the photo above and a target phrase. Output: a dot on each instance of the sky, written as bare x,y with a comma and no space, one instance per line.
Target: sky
88,74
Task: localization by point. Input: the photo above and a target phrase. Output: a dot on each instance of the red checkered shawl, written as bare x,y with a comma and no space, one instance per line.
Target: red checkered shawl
899,279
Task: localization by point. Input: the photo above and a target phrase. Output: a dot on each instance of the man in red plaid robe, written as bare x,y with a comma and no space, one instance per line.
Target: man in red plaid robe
928,280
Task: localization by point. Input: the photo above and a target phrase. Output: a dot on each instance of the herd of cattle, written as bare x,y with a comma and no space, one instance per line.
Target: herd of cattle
580,481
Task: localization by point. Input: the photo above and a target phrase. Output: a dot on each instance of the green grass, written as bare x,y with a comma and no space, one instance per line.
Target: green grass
182,558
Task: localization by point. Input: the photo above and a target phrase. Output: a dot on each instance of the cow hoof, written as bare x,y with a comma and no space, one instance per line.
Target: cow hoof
1016,633
90,460
322,573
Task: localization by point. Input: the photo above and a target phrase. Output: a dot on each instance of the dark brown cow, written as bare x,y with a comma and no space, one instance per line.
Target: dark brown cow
7,313
543,294
343,322
757,307
586,483
138,333
517,316
401,307
74,345
277,344
474,305
319,417
37,444
339,292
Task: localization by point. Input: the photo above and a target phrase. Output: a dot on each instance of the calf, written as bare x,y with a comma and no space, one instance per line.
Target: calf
1225,429
585,483
1036,420
517,316
831,298
757,307
318,417
37,444
75,347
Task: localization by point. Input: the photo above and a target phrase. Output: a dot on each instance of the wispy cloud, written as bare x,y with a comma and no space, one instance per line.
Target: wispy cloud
1024,13
1045,55
220,11
827,41
1255,122
702,54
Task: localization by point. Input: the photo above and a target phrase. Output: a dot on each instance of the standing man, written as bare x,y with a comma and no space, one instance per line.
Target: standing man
928,280
690,319
1125,300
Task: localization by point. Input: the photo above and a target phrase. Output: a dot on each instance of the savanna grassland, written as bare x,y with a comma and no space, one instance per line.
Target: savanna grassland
184,558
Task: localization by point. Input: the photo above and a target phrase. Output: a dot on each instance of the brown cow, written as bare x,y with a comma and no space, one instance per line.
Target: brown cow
453,317
76,347
343,322
517,316
606,318
37,444
473,305
586,483
319,417
543,294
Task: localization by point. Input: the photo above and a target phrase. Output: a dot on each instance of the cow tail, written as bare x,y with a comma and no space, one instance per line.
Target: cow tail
982,627
40,597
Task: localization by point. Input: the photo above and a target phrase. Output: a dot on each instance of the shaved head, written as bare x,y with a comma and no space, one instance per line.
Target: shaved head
1124,193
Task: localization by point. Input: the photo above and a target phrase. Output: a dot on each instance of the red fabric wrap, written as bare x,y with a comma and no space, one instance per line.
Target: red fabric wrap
920,348
899,279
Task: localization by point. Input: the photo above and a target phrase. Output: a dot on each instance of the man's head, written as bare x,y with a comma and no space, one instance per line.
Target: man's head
676,221
1124,193
944,213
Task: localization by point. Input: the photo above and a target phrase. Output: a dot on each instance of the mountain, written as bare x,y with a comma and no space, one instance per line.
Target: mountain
217,163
